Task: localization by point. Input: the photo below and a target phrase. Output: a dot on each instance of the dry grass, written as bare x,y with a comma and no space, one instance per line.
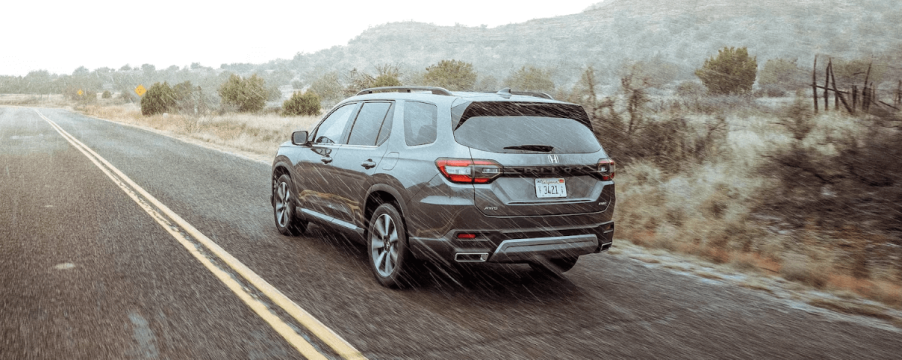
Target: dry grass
255,134
33,100
710,209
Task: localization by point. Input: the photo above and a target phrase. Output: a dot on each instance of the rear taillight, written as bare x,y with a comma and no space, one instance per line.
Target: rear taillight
469,171
606,168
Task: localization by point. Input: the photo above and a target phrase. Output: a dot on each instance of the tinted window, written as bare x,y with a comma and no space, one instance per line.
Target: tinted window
494,133
369,121
330,131
419,123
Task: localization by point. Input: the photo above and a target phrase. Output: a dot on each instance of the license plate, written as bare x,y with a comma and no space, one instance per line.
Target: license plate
551,188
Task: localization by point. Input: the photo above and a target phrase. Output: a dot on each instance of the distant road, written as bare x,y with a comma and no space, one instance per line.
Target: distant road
105,253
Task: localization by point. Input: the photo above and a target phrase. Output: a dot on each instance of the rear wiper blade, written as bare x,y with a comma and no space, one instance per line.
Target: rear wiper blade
541,148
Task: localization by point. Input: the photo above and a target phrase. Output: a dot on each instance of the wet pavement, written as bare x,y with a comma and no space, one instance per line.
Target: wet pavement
85,272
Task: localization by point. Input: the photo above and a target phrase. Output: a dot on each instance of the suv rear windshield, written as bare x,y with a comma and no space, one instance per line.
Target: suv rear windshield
508,127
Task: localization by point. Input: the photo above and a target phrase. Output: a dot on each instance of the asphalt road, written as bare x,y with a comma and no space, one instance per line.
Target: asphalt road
87,273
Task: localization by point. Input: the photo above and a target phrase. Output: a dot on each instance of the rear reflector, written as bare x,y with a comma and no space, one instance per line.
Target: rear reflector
466,236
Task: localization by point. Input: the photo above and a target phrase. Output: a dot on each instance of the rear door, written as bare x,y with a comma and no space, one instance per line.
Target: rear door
549,162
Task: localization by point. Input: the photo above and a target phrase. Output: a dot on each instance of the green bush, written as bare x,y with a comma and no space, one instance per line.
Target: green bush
385,80
451,74
106,94
160,98
246,94
307,103
731,72
530,78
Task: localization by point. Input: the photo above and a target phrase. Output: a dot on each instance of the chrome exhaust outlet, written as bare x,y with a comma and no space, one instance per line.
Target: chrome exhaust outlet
471,257
606,247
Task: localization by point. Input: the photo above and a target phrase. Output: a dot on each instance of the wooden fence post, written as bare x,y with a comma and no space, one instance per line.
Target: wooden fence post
898,101
865,93
827,85
837,95
854,97
814,83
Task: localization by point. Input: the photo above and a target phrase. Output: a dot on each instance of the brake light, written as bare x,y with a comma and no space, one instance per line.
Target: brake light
606,168
468,171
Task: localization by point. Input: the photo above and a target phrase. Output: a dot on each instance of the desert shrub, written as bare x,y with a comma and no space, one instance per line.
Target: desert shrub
690,89
451,74
106,94
189,99
385,80
160,98
329,87
386,75
530,78
245,94
836,171
781,75
732,71
307,103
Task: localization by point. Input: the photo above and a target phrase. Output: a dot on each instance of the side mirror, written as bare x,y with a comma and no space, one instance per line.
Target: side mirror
299,138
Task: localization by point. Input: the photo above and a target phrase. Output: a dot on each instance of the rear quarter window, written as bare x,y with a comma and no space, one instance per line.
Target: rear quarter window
420,123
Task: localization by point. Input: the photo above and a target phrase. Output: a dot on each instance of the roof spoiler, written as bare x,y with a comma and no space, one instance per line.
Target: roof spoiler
434,89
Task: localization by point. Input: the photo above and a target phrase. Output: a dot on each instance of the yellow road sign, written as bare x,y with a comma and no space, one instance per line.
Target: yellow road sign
80,93
140,90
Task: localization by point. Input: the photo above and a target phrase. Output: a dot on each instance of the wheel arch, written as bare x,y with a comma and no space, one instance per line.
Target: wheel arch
381,194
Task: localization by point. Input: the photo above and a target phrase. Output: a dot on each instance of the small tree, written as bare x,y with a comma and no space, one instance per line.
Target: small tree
329,87
385,80
530,78
247,94
307,103
106,94
160,98
451,74
732,71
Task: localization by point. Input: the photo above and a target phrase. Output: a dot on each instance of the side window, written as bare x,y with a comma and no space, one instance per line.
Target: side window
419,123
369,121
386,126
330,131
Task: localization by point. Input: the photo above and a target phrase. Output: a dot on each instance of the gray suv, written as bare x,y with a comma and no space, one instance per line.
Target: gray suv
422,173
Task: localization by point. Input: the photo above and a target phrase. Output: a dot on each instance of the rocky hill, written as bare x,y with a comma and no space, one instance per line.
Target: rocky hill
614,32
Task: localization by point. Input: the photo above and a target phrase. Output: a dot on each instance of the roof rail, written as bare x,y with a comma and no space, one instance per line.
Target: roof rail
533,94
434,89
507,92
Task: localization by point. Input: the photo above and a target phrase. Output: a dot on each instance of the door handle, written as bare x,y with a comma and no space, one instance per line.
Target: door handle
326,159
368,164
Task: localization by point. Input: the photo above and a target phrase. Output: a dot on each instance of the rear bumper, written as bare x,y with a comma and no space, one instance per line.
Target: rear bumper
518,247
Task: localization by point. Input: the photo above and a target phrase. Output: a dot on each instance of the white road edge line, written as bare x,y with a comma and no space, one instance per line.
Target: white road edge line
341,346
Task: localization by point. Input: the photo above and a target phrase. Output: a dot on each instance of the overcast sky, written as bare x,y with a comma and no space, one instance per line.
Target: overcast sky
60,36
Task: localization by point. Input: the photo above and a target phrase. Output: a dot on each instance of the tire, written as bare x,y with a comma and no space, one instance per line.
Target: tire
283,208
389,257
556,265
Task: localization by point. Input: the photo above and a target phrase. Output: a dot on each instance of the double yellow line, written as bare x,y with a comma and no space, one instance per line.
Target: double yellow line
183,231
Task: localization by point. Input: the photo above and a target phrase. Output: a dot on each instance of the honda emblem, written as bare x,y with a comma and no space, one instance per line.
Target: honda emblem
554,159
